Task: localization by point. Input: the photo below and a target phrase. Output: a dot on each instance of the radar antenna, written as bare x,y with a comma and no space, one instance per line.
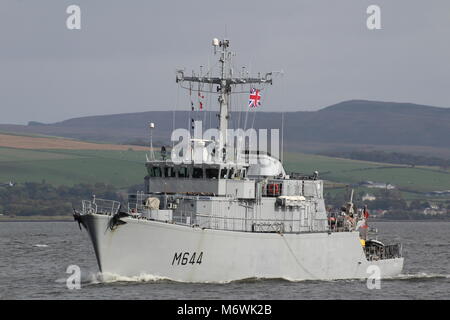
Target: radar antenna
224,84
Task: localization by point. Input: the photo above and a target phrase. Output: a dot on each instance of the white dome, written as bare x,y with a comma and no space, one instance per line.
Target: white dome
265,165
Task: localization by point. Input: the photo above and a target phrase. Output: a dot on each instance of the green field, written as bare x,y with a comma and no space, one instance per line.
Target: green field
421,179
69,167
125,168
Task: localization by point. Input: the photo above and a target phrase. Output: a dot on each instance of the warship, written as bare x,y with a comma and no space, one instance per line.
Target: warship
214,212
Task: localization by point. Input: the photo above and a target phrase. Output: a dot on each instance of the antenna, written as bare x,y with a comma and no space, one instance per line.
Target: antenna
152,152
282,113
225,80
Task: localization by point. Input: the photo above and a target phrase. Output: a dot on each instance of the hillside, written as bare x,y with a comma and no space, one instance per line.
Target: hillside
124,168
350,125
69,167
45,180
25,142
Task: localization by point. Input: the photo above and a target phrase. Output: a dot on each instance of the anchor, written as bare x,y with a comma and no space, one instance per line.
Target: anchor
77,218
115,220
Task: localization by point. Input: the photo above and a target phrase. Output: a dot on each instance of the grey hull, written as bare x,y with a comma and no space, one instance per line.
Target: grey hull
188,254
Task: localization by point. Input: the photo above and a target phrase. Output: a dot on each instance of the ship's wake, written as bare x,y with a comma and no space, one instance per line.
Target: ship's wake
106,278
419,276
99,278
39,245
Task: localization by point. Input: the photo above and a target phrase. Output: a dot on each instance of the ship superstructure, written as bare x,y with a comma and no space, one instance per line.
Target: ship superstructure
216,212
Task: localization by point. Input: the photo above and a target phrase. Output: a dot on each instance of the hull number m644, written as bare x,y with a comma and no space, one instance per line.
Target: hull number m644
184,258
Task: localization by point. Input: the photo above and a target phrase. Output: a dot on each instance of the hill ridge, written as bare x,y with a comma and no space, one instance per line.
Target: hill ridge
349,124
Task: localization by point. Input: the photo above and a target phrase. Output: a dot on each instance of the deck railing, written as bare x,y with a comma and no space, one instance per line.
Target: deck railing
100,206
383,252
254,225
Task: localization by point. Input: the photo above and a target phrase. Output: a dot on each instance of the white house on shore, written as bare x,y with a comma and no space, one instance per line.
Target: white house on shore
369,197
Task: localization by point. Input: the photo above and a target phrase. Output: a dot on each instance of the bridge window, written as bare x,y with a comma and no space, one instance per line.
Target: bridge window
231,173
197,173
155,172
169,172
223,173
183,172
212,173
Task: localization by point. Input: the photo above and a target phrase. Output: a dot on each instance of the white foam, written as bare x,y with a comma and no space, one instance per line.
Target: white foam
99,278
93,278
61,280
420,275
40,245
106,277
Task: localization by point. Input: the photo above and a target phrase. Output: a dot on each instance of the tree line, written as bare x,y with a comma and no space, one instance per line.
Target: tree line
391,201
31,198
390,157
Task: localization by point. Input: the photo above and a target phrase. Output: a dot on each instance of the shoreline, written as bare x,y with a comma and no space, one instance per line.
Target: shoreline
70,219
411,220
36,219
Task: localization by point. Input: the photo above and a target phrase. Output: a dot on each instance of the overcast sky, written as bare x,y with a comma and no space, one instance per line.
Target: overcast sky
124,57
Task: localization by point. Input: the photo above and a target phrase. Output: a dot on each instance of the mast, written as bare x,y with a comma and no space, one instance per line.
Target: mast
152,152
224,83
225,90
